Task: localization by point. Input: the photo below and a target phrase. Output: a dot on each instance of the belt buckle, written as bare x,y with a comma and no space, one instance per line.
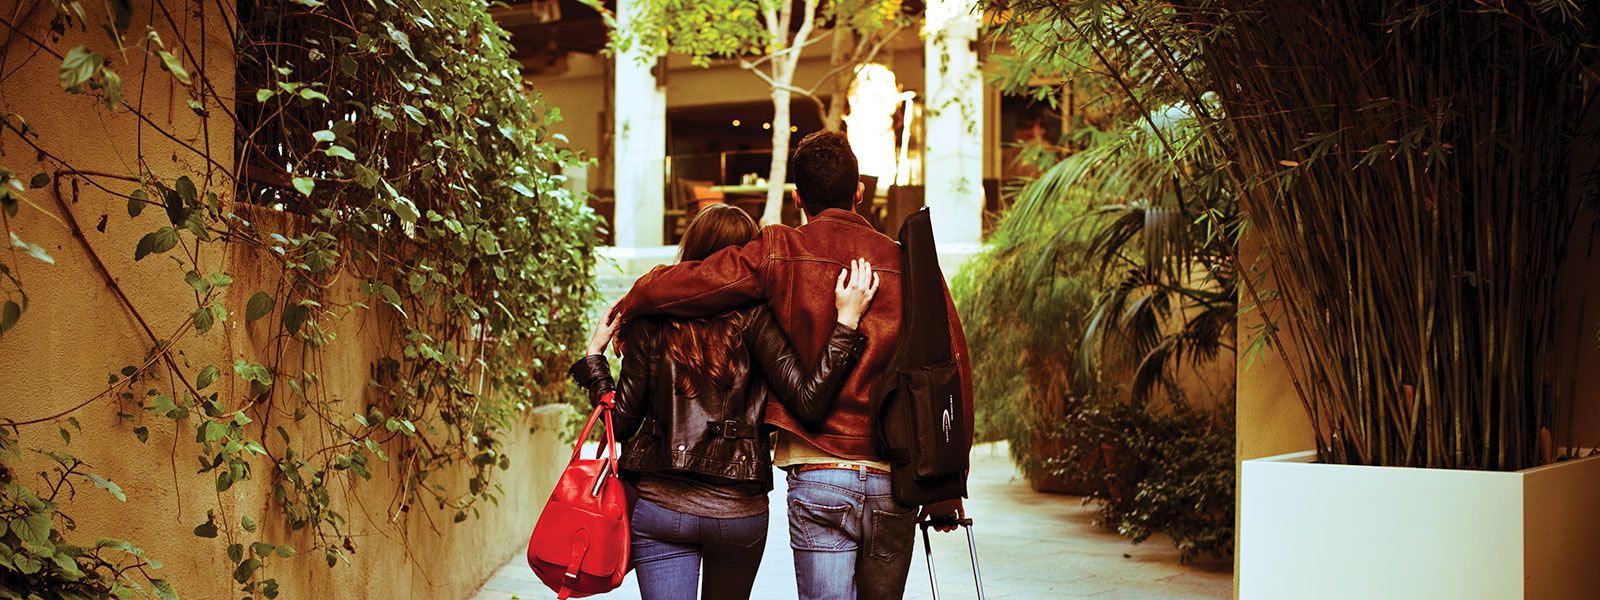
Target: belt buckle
730,428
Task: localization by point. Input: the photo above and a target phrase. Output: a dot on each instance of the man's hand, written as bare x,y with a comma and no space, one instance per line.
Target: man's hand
945,508
604,331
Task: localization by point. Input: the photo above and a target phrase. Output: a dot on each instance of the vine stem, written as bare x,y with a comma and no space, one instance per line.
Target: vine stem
111,282
153,358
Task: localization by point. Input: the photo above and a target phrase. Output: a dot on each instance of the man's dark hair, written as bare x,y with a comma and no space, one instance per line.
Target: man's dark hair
825,172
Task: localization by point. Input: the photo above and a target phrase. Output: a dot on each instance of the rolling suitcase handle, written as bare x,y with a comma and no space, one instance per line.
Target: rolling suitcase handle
972,548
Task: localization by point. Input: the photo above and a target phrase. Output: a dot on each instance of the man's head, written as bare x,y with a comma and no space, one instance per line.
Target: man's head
825,173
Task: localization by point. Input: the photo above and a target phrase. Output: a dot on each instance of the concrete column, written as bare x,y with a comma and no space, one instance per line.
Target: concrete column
953,158
640,144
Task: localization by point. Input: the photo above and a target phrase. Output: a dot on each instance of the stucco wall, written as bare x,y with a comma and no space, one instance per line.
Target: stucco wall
76,331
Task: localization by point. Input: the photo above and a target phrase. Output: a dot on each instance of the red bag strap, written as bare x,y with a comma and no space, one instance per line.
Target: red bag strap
602,408
611,449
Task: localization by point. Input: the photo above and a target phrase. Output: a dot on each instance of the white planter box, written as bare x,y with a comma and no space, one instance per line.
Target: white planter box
1309,531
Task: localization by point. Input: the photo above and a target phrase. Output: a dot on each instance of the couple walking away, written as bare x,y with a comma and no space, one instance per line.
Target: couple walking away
762,348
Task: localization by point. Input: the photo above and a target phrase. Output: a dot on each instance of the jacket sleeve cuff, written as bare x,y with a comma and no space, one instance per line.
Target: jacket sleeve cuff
848,339
593,373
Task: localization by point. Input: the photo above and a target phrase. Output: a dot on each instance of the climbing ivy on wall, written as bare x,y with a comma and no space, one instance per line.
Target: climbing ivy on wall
386,167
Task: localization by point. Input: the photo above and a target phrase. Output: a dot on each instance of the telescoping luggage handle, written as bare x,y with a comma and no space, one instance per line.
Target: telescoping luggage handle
972,549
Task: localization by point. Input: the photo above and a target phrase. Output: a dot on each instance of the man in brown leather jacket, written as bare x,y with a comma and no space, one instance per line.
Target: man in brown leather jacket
850,538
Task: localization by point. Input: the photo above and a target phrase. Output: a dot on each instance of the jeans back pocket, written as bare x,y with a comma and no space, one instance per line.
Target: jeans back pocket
818,526
892,534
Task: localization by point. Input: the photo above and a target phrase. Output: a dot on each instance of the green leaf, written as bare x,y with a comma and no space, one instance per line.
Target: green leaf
213,431
258,306
143,433
34,530
165,405
208,375
203,319
164,589
198,283
389,295
78,66
28,566
176,211
263,94
186,191
174,66
406,210
245,570
340,152
136,202
323,135
34,250
156,242
39,180
248,524
108,485
261,549
304,185
311,94
113,86
294,315
67,565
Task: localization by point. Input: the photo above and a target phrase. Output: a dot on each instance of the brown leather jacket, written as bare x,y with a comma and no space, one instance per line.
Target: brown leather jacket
793,271
718,432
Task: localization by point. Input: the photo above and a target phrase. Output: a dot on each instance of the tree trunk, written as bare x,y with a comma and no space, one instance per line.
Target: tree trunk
783,66
780,156
840,85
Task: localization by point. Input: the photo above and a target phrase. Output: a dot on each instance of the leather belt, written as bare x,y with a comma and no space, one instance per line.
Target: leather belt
845,466
732,429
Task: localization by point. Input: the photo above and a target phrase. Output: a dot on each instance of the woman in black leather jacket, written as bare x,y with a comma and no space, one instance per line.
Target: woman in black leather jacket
690,402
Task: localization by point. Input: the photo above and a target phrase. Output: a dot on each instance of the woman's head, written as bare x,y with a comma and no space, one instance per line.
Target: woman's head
716,227
706,347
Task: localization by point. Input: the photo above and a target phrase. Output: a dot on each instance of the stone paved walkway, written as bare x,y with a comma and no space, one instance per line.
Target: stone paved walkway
1030,545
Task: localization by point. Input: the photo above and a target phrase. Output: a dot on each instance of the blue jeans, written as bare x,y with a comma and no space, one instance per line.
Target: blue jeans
668,547
850,538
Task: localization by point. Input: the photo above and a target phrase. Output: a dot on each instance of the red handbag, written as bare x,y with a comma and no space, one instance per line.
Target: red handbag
580,545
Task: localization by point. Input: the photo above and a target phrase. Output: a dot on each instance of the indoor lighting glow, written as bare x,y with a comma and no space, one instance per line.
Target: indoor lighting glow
792,128
766,125
874,95
735,122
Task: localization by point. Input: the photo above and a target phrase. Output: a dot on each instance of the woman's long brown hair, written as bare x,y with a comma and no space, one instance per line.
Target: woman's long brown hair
703,346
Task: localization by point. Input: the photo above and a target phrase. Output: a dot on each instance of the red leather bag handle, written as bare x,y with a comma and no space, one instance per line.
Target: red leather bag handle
602,408
610,450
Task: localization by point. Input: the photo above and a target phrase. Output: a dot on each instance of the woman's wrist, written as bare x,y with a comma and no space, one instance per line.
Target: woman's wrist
851,321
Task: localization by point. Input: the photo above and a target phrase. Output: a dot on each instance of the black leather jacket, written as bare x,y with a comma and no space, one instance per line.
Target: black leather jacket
719,432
